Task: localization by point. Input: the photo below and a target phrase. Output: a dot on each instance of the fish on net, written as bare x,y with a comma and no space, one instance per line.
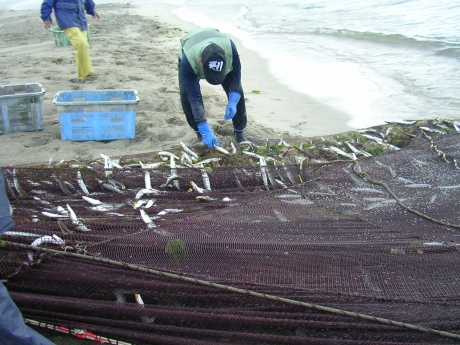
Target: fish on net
359,248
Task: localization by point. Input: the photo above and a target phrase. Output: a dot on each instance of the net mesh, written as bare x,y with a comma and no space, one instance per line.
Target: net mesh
358,251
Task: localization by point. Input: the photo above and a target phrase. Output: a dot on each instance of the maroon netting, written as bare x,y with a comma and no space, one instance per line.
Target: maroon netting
333,238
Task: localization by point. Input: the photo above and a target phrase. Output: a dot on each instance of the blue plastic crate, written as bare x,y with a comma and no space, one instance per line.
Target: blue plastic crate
100,115
21,108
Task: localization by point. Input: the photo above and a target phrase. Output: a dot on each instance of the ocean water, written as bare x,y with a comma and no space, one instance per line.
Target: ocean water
375,60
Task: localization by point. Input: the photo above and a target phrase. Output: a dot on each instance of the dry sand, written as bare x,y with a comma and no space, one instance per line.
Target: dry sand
135,46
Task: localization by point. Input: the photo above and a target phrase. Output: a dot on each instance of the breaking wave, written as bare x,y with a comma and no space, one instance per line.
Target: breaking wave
440,46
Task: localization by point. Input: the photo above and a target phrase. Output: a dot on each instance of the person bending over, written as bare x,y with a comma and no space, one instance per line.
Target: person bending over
206,53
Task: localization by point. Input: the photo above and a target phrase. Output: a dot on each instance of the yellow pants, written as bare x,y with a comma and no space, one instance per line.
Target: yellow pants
79,41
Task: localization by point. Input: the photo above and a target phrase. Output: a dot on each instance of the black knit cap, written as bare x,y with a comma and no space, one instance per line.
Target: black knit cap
213,59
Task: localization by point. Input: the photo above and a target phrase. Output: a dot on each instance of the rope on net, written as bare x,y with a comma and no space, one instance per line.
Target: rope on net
234,289
365,175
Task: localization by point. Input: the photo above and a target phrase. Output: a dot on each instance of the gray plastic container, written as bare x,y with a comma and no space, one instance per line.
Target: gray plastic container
21,107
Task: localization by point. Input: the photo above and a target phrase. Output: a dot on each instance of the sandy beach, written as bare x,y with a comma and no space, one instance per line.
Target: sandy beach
134,46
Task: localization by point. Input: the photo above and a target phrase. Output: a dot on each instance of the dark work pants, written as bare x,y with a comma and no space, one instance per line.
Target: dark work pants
13,330
239,120
6,221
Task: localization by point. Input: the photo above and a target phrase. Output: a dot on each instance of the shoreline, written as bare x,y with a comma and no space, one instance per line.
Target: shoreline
275,101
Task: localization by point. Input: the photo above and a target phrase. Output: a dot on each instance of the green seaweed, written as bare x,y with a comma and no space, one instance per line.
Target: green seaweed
177,251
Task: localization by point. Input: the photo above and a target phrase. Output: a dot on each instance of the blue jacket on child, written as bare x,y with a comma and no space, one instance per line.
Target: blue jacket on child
69,13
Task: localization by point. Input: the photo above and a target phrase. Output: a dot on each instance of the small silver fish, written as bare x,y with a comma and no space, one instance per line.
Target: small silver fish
186,157
139,301
116,183
63,186
448,187
47,239
149,203
255,155
109,186
81,183
402,122
62,211
204,175
147,220
236,149
263,172
367,190
356,151
73,218
205,198
196,188
43,240
237,181
138,204
289,175
167,154
280,216
247,142
172,164
457,128
280,183
188,151
21,234
150,165
233,147
369,130
91,200
220,149
108,165
206,161
432,130
169,179
145,191
10,189
147,181
53,215
116,163
440,125
100,208
340,152
18,186
374,199
170,210
270,176
282,142
417,185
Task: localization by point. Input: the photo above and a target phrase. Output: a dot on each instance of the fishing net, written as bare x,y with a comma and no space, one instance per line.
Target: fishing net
307,251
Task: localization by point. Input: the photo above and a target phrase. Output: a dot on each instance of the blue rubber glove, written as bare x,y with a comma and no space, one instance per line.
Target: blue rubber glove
233,99
208,136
